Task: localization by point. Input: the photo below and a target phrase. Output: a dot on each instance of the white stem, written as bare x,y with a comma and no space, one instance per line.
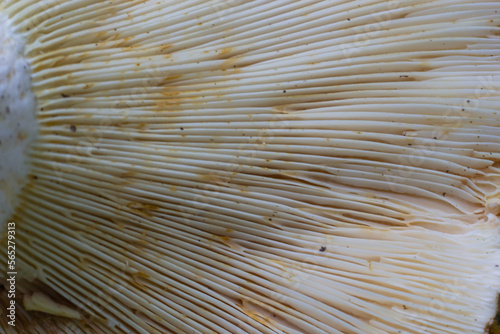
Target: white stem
18,126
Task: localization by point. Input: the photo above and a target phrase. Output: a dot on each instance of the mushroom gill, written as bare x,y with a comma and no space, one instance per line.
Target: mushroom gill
261,166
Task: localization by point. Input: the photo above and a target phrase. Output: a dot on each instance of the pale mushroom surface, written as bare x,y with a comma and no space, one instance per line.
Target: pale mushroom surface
18,126
314,166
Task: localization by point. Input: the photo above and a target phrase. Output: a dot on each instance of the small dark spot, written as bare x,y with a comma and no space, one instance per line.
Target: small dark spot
348,19
64,95
284,91
182,129
405,307
435,138
447,171
72,128
35,177
8,110
403,76
444,194
322,249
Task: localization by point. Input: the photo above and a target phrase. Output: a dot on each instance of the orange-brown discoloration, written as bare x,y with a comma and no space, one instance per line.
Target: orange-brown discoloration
215,179
123,41
173,77
137,279
165,48
142,209
170,94
225,51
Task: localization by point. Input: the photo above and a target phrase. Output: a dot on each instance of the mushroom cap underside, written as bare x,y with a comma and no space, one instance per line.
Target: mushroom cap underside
258,167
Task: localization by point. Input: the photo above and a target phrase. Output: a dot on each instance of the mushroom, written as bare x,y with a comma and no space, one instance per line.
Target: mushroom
250,166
